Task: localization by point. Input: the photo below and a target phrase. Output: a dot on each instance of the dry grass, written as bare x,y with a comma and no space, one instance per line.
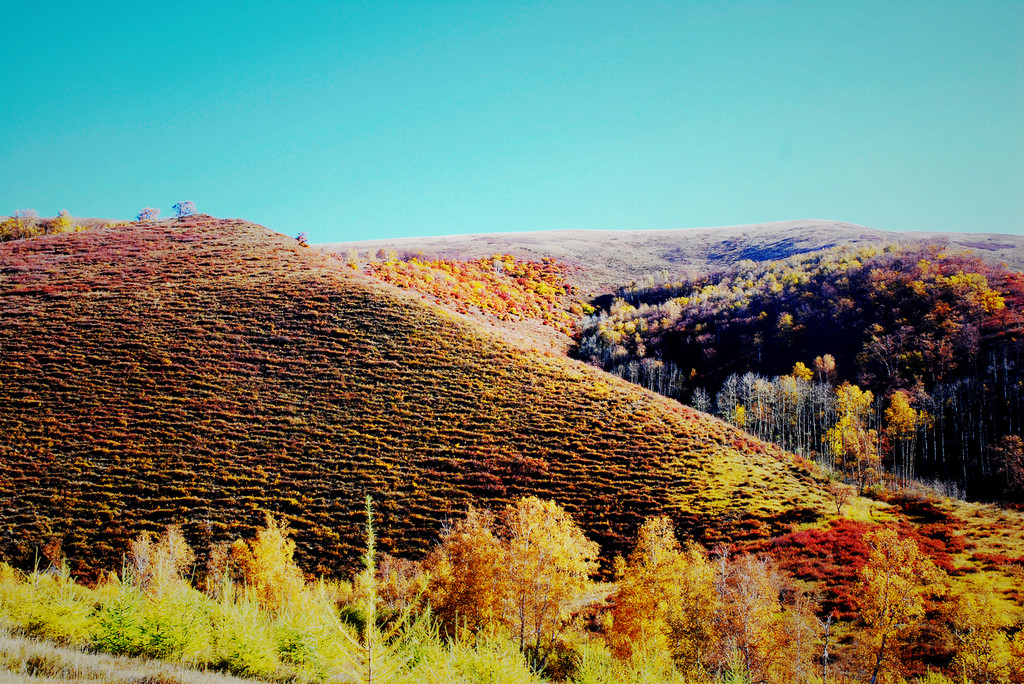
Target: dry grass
994,546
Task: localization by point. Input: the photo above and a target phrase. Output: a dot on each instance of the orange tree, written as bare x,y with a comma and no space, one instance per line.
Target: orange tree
465,586
521,577
666,599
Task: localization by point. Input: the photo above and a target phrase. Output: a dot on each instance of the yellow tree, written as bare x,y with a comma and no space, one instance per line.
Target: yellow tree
465,586
901,421
894,583
267,566
850,438
802,372
666,600
976,621
547,562
739,416
1017,658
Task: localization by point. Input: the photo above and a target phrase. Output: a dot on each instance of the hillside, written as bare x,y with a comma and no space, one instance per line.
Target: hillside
206,371
608,259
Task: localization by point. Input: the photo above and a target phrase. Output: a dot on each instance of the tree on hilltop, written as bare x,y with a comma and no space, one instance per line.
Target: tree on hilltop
148,214
61,223
186,208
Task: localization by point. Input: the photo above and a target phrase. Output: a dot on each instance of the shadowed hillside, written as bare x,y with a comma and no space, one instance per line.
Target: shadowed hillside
206,371
609,259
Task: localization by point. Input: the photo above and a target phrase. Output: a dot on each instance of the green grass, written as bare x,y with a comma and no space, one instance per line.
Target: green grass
29,660
203,372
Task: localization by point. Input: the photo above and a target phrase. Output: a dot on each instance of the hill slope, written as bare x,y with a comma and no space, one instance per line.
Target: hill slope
611,258
203,372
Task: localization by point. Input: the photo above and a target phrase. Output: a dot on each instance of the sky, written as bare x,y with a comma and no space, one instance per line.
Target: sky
354,121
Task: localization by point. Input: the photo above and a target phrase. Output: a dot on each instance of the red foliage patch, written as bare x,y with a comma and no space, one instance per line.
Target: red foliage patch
937,532
996,559
832,557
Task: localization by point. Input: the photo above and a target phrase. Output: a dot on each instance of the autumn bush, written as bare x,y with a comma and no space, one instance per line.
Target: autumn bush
266,568
500,285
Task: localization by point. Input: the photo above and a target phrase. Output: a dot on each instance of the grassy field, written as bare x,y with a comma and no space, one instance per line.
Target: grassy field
203,372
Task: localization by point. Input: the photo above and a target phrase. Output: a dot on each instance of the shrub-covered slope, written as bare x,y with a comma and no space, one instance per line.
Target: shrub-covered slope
206,371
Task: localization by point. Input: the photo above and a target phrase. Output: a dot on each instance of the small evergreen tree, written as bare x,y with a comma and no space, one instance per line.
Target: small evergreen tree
376,657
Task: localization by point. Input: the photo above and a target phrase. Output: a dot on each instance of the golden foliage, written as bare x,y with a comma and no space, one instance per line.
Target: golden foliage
666,600
267,567
465,585
850,439
522,578
894,583
158,566
900,418
976,621
802,372
548,562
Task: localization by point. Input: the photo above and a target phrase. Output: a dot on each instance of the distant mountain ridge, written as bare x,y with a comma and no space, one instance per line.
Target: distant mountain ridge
611,258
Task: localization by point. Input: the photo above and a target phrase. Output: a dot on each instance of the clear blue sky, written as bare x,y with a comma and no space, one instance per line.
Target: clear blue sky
372,120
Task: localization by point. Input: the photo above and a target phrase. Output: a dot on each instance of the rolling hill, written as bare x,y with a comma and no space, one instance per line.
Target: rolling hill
204,371
607,259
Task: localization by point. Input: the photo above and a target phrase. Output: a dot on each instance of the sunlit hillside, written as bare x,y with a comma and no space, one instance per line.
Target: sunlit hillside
206,371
